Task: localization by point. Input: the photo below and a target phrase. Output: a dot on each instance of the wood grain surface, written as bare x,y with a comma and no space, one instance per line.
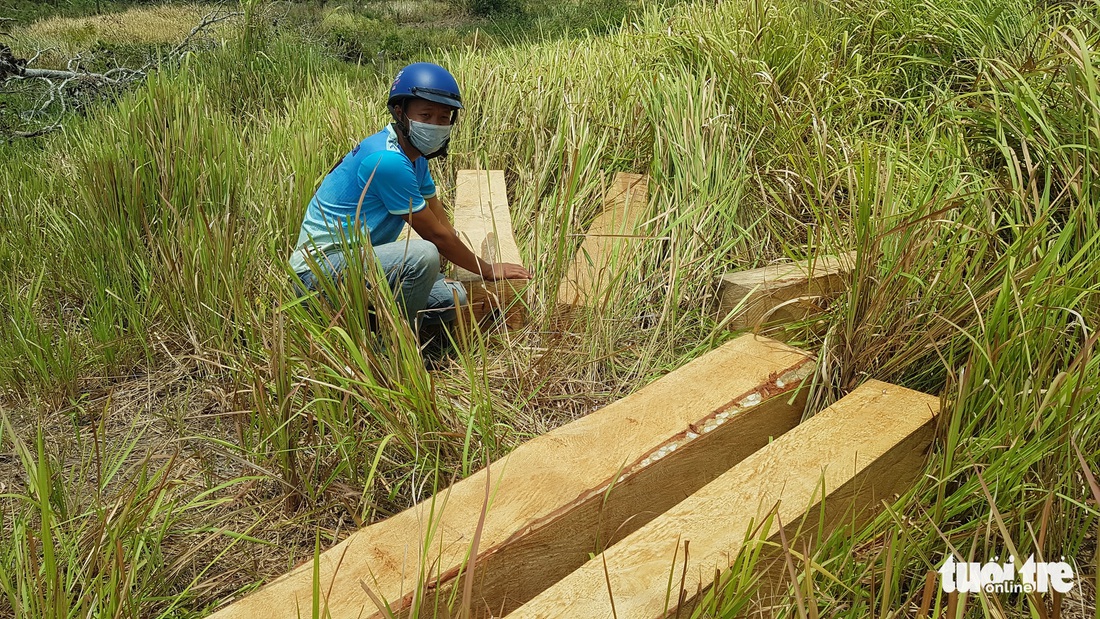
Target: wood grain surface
866,447
561,495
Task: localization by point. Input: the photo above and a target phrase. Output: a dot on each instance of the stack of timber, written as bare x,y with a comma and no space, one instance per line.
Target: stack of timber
576,490
711,454
835,467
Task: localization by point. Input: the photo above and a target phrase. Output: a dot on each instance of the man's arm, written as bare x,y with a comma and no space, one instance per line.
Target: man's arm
440,233
436,206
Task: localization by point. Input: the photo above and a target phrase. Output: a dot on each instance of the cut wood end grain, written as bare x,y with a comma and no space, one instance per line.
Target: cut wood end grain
782,293
502,300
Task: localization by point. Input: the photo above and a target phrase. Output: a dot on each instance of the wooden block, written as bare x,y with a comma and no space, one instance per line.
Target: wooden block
781,293
865,448
600,257
481,216
562,495
502,301
482,219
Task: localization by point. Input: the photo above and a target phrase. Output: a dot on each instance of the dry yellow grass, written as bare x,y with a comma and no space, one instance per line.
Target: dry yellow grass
65,37
404,11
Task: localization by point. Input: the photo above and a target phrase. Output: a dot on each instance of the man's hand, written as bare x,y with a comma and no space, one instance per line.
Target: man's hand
506,270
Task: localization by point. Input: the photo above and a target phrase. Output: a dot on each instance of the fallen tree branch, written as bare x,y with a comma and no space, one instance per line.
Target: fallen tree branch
58,81
36,133
55,74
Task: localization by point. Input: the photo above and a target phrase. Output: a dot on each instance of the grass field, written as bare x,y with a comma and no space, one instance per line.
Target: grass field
177,430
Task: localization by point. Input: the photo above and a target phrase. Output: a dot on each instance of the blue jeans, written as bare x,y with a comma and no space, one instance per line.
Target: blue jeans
412,270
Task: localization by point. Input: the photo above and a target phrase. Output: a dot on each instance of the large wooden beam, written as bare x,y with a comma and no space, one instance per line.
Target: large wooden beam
482,219
563,495
601,256
865,448
782,293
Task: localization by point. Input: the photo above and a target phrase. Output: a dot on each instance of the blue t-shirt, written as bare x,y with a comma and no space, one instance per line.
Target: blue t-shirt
395,186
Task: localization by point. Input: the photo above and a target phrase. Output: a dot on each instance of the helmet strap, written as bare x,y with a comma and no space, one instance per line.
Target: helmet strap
399,121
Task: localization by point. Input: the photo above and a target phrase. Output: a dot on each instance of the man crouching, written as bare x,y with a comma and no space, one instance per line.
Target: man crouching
383,183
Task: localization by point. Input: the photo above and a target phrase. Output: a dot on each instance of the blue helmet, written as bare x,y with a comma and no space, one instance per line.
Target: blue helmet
424,80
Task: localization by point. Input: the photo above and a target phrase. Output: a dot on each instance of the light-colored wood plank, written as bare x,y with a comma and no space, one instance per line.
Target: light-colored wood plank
564,494
604,251
482,220
782,293
564,541
863,449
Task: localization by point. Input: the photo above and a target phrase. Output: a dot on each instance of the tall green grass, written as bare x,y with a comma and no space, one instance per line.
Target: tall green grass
953,146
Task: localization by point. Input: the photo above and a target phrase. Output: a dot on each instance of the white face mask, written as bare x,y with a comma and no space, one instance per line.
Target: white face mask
428,138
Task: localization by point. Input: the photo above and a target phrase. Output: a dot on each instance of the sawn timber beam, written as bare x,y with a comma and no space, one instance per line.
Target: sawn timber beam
561,496
854,454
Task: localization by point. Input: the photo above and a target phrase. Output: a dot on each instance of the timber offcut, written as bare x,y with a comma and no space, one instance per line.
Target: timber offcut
782,293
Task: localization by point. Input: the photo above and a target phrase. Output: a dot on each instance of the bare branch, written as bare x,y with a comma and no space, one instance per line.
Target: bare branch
78,58
37,132
57,74
37,54
209,20
58,84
